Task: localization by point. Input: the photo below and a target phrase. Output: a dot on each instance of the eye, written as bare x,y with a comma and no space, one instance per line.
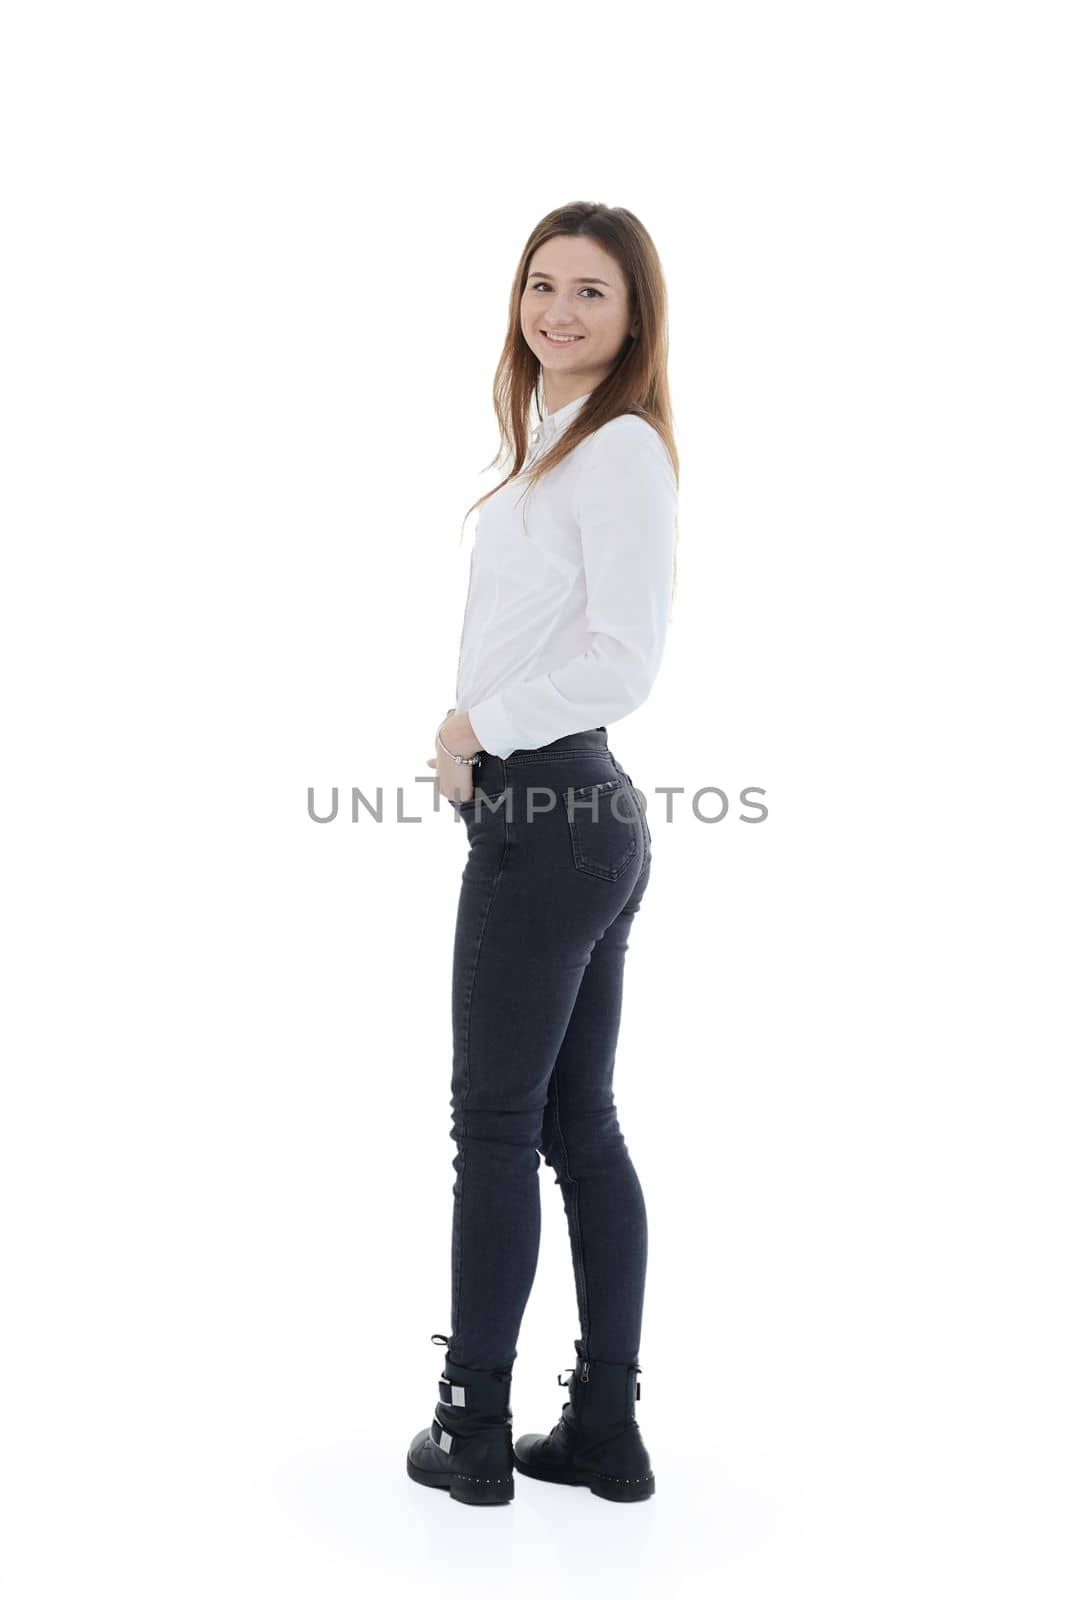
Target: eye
542,285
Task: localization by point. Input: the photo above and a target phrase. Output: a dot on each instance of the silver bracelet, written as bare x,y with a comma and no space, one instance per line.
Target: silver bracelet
461,761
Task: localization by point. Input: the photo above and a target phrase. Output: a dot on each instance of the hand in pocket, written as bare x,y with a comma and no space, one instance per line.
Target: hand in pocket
455,779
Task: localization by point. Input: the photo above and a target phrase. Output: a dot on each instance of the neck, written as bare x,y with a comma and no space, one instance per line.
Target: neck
560,392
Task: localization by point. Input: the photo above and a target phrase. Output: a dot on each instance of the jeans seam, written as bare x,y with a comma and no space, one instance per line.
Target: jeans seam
583,1292
646,834
467,1067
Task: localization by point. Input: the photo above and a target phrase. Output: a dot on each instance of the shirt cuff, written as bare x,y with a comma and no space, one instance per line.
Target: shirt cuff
490,726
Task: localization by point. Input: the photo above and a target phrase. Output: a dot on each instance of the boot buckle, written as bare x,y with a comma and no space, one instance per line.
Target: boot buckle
442,1439
563,1377
453,1394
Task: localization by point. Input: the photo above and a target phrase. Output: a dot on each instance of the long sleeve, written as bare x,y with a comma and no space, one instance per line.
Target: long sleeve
625,503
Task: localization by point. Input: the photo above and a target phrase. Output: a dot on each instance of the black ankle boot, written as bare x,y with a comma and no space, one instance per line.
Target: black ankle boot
467,1448
596,1441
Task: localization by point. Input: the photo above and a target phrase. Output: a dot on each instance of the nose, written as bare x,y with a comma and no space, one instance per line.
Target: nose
556,321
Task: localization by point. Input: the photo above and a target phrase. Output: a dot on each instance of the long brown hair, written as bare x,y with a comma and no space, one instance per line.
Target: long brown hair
638,381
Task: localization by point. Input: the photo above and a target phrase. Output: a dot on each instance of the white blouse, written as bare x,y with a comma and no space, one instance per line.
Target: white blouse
566,619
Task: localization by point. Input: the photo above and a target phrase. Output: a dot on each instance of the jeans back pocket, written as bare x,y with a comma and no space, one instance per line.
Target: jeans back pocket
605,827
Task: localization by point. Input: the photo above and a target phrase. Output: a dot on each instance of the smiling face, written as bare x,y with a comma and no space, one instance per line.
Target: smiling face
576,290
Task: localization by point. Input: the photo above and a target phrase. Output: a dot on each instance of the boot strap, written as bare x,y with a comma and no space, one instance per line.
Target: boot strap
453,1394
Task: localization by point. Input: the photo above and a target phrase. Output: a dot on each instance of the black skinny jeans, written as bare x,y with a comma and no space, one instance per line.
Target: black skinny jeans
549,893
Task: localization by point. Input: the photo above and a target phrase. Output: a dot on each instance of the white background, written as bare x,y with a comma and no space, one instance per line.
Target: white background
256,271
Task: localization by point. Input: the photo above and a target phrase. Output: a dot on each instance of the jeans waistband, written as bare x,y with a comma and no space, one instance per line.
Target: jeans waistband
491,770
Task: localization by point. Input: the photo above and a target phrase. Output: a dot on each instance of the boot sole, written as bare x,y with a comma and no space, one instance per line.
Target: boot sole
470,1491
606,1488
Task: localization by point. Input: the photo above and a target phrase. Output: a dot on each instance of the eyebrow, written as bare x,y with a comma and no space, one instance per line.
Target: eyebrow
604,281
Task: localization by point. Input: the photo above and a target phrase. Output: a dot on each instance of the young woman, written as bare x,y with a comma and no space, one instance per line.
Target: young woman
572,578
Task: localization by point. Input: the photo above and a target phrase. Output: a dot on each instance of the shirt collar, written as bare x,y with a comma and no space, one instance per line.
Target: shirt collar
549,427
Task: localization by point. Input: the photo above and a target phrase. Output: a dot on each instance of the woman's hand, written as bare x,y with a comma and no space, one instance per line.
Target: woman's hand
454,779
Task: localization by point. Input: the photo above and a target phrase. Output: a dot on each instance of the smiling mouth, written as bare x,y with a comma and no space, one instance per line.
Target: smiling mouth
570,338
